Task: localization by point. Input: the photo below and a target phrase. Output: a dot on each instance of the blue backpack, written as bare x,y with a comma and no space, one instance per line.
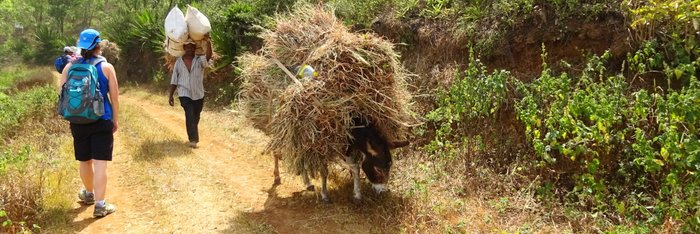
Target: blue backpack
61,62
80,101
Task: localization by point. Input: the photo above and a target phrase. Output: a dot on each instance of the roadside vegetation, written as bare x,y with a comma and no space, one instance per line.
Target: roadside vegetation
32,173
596,142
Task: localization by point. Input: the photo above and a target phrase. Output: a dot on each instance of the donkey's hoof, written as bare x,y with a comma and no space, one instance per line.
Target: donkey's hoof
310,188
326,201
356,201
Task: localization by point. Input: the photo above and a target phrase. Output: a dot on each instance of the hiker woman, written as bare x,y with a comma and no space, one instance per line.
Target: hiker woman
188,76
93,142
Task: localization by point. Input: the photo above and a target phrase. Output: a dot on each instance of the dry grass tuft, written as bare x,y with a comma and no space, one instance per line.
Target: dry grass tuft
359,76
110,51
32,172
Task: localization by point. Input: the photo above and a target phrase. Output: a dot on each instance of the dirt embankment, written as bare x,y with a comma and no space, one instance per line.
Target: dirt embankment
433,46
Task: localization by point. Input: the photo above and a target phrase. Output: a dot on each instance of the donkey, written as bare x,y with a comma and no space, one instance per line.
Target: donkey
367,149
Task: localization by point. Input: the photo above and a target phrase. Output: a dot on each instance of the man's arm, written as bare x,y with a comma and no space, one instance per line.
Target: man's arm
173,85
171,100
209,50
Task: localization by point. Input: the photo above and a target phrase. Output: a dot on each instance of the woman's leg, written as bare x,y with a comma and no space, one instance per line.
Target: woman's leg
100,179
86,175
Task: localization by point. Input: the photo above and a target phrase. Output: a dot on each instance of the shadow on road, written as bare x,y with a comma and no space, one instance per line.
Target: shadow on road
152,149
303,212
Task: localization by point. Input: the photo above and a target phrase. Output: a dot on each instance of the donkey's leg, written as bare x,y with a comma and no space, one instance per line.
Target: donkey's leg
324,183
278,180
307,182
355,171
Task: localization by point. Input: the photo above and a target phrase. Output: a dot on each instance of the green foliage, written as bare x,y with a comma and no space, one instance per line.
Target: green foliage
476,94
237,29
12,159
362,13
18,107
617,142
49,44
668,18
436,8
573,117
136,32
11,75
140,36
630,152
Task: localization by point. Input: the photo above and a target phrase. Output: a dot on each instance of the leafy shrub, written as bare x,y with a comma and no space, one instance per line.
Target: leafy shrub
49,45
140,36
579,114
17,50
22,106
20,196
629,152
619,145
653,19
20,178
362,13
476,94
237,31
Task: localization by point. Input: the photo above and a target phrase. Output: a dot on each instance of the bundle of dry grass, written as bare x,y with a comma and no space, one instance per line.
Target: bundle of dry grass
359,76
110,51
263,83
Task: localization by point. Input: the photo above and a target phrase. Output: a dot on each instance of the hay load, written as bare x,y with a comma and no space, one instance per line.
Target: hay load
110,51
359,76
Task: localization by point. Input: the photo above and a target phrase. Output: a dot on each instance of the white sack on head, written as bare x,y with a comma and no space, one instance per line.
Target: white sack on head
176,26
197,23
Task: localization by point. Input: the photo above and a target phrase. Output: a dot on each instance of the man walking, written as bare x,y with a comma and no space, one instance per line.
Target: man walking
187,79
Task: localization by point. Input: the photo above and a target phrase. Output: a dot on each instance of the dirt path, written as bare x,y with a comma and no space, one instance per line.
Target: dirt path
160,185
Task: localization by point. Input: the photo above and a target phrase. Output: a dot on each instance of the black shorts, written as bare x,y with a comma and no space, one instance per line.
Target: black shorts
93,141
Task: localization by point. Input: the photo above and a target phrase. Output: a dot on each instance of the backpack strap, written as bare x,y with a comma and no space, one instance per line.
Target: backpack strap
94,61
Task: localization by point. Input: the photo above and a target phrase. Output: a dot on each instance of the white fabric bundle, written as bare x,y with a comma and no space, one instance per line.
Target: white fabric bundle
197,23
176,26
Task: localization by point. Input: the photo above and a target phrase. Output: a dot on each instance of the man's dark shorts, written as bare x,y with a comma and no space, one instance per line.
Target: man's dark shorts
93,141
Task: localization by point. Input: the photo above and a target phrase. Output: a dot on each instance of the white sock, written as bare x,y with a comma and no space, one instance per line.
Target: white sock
100,203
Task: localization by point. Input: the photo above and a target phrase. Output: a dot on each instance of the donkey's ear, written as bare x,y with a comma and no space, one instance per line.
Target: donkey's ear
398,144
372,152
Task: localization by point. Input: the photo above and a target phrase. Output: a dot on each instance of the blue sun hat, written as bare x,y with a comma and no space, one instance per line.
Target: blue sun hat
89,38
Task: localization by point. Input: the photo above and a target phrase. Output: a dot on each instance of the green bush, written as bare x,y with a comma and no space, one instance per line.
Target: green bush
49,44
237,27
140,36
10,76
19,107
363,13
20,197
627,150
476,94
236,31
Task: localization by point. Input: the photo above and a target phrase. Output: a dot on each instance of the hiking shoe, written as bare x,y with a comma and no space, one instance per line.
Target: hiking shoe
102,211
193,144
85,197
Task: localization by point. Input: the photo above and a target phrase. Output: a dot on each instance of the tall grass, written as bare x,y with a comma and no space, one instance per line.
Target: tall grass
31,169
